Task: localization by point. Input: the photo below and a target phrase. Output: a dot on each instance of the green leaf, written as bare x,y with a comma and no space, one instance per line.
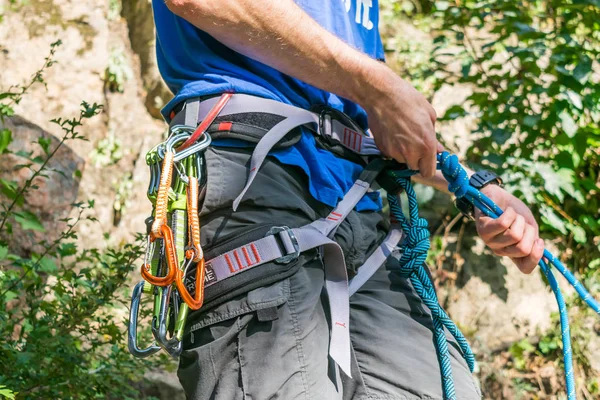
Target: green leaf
10,295
455,112
442,5
552,220
590,222
568,124
47,265
500,136
3,252
67,249
578,233
5,140
582,70
531,120
45,144
555,182
7,393
29,221
575,98
466,68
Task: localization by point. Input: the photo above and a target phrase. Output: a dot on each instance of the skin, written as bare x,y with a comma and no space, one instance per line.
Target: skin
281,35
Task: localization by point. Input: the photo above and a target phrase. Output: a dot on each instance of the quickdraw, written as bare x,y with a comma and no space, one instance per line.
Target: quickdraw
176,186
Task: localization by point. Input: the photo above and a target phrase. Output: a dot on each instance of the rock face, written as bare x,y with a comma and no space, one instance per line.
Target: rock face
112,159
51,201
138,14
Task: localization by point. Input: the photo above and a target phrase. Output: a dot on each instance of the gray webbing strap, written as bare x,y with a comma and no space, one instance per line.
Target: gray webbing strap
375,260
296,241
191,114
270,139
336,284
328,224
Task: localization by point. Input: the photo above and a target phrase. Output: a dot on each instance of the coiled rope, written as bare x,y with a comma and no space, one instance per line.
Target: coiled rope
412,264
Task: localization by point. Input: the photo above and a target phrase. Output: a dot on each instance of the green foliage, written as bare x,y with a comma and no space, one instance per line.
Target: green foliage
108,151
520,351
117,71
536,101
61,306
6,393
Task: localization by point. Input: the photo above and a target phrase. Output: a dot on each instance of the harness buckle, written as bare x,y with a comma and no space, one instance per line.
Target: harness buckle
292,240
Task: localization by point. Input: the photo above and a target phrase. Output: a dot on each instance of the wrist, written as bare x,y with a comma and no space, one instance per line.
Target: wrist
371,83
492,190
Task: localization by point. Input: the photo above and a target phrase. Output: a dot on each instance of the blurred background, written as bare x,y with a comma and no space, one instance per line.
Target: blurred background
516,86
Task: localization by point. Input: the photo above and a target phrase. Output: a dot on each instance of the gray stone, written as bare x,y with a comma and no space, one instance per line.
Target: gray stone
52,199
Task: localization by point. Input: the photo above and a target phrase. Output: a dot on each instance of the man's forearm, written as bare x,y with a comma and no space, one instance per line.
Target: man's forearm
281,35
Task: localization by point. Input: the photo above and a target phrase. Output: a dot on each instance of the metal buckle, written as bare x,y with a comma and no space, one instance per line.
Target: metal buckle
288,257
465,207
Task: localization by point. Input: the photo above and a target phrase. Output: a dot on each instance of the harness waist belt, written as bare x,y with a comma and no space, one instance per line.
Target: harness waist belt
328,124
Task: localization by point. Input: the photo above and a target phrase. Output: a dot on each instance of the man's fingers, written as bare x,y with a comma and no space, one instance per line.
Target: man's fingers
512,235
427,166
488,227
523,247
527,264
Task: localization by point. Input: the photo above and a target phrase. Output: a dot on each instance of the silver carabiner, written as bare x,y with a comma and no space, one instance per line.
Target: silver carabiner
198,147
172,346
181,133
171,143
132,345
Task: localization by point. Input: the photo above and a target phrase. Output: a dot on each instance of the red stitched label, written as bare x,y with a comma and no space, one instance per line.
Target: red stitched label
229,264
352,139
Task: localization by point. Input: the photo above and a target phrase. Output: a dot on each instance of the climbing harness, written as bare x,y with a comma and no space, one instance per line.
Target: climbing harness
180,275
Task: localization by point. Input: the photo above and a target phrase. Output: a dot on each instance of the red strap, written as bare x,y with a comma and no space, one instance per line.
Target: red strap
210,117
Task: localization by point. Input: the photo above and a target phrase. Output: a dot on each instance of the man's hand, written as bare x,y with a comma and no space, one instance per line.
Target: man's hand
402,122
514,234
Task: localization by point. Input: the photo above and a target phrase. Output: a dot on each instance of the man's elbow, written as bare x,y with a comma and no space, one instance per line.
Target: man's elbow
188,7
179,7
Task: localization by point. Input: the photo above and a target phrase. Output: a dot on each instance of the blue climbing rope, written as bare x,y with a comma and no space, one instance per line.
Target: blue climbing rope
412,265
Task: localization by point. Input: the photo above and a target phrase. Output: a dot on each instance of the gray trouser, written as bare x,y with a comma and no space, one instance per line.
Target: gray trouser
272,343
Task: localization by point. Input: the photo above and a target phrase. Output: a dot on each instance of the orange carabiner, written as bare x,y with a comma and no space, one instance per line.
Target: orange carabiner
162,198
172,263
195,302
194,253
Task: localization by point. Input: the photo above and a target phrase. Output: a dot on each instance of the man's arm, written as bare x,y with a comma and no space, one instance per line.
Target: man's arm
281,35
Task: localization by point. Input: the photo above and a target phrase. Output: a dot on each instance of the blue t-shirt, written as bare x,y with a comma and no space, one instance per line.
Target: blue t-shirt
193,63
